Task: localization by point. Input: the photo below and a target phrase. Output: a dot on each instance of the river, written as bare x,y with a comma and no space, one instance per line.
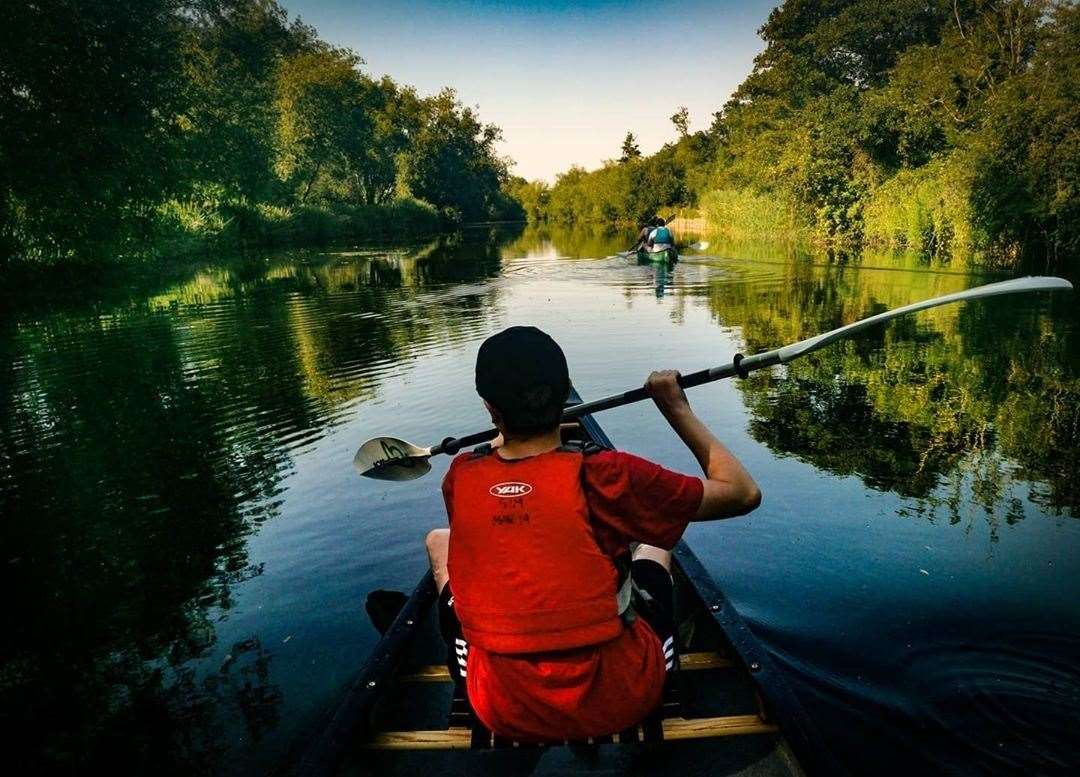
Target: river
186,548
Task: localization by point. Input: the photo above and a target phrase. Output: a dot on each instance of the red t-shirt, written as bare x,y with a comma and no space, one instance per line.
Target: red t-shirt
600,689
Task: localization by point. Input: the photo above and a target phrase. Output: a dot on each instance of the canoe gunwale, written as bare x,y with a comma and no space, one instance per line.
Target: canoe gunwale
353,717
781,703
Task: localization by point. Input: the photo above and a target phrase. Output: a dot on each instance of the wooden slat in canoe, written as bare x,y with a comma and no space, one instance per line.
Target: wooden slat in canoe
705,728
437,673
688,662
674,729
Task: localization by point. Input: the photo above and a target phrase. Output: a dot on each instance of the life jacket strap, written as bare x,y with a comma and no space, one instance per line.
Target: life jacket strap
624,597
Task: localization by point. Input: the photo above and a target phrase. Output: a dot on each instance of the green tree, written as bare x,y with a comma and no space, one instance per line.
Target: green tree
681,120
396,115
130,127
88,94
1027,183
322,126
452,162
534,197
948,127
630,148
230,54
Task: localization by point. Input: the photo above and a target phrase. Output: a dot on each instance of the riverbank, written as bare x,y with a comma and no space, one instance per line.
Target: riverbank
928,211
43,289
181,229
909,214
915,134
184,227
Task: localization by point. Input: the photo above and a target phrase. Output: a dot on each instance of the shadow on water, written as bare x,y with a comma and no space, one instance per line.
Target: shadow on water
142,442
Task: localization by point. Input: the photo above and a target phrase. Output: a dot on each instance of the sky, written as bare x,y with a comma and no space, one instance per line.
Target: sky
565,81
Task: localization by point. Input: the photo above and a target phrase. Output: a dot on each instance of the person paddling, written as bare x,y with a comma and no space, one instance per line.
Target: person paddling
661,235
643,235
553,626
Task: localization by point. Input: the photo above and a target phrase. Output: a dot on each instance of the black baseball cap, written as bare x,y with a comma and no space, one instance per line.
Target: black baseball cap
523,373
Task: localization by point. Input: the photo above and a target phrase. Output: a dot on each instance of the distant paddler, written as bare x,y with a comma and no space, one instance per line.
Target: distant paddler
659,246
660,238
645,234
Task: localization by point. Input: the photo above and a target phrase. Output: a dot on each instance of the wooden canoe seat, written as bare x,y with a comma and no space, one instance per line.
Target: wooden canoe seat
666,723
673,729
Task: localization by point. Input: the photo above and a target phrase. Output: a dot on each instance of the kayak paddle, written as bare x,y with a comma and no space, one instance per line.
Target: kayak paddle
388,458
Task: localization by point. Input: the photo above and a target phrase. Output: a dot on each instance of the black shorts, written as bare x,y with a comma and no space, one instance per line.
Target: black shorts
653,601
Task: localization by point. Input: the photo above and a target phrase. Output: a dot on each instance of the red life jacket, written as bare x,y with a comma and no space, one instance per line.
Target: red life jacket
526,572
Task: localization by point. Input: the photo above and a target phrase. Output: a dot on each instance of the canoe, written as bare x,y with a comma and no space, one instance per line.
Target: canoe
659,253
726,708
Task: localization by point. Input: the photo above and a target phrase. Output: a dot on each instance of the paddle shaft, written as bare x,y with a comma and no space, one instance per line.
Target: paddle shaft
742,366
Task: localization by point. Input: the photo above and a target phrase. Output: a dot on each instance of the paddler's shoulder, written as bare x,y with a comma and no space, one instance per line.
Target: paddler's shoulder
605,466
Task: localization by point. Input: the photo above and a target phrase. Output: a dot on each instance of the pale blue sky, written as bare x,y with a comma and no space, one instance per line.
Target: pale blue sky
565,81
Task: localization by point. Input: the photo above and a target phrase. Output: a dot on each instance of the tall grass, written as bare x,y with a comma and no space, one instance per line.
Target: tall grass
927,210
741,213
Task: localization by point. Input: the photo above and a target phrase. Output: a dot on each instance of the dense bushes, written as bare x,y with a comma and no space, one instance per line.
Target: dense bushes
741,214
927,209
183,226
628,190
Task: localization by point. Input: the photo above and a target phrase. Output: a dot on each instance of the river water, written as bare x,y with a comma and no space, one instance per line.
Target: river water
186,548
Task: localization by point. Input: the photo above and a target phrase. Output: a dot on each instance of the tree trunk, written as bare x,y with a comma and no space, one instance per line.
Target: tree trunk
311,182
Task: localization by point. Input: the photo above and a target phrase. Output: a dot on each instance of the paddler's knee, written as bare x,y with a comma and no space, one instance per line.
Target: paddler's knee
438,549
437,540
653,553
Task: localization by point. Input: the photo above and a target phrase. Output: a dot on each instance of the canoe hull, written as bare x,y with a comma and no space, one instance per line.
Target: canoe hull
659,254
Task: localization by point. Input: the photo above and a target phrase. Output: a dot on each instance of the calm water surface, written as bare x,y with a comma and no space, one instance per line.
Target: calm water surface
186,549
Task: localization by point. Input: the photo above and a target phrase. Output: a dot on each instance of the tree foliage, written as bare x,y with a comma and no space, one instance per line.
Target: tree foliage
947,126
121,120
452,161
633,188
532,196
322,124
87,105
681,120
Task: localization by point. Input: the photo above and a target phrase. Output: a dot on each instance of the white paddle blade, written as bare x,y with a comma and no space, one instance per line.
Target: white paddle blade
388,458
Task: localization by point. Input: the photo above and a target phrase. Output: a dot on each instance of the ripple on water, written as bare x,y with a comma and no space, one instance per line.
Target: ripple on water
1006,704
1009,703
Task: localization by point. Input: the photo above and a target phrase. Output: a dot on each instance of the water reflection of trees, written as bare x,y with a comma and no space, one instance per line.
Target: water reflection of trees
973,405
581,241
140,444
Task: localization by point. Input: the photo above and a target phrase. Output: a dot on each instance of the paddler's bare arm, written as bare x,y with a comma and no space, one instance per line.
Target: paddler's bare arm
729,489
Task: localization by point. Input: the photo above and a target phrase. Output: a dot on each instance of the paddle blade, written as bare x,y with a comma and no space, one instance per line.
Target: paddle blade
388,458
